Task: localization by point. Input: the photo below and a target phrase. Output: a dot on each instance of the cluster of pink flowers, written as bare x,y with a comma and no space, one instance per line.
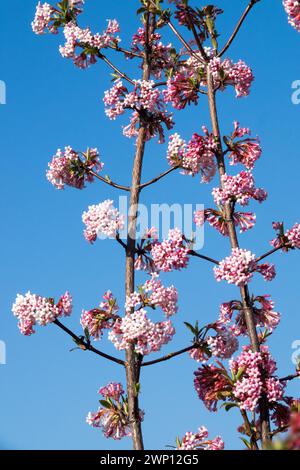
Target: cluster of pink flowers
286,240
209,383
196,156
238,268
67,168
224,344
161,55
244,220
90,44
238,75
31,309
292,8
136,328
251,384
199,441
246,151
182,90
100,318
172,253
49,18
102,219
146,103
239,188
113,417
264,315
153,294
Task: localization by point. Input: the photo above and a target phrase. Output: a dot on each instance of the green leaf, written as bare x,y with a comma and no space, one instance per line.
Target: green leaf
247,444
105,404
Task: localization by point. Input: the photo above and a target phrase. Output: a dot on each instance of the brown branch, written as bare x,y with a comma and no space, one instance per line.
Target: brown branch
206,258
249,430
116,69
169,356
291,377
271,252
109,182
238,27
126,52
158,178
87,346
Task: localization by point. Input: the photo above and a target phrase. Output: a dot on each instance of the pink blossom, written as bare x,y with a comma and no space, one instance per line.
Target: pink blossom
91,44
286,240
264,315
182,90
239,188
112,418
196,156
217,219
172,253
252,383
224,344
292,8
33,309
154,295
199,441
100,318
43,17
238,75
68,169
209,383
146,103
103,219
246,151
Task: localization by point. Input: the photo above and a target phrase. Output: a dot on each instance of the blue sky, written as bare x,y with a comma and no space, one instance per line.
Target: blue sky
46,391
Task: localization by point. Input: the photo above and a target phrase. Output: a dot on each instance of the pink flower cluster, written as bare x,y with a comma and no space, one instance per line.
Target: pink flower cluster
209,383
161,55
172,253
239,188
196,156
286,240
244,220
251,384
91,44
224,344
182,90
102,219
49,18
246,151
199,441
33,309
292,8
238,75
136,328
264,315
238,268
146,103
67,168
113,417
153,294
101,318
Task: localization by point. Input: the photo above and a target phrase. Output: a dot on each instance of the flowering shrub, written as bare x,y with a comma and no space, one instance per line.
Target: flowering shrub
173,77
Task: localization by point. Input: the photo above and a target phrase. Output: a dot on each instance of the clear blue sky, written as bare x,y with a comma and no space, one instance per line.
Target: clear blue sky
46,391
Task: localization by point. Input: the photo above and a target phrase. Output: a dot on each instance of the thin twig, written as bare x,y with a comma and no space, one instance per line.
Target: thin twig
118,71
109,182
157,178
271,252
238,27
206,258
169,356
88,346
291,377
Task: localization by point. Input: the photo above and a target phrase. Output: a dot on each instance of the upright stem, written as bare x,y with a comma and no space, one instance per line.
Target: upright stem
133,361
247,307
